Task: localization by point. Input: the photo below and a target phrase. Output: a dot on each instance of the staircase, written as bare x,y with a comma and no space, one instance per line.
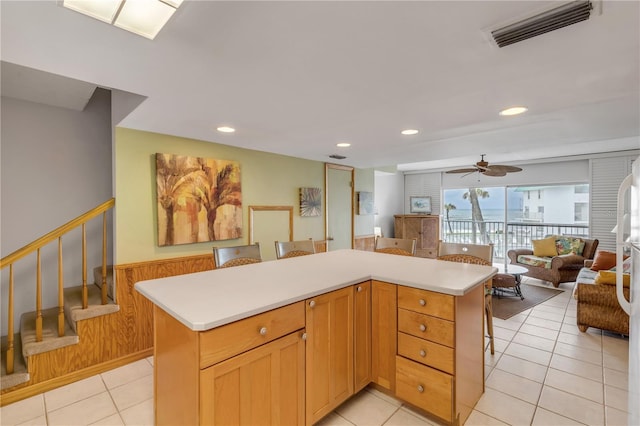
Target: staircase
46,332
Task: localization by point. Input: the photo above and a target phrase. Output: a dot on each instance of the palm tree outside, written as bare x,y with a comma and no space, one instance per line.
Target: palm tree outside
477,221
447,208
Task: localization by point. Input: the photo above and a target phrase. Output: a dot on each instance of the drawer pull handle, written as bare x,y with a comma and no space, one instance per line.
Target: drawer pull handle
423,353
312,303
420,388
423,327
422,302
304,336
263,331
359,288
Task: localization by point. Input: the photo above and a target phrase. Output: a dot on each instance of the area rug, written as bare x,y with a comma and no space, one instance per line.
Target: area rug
504,307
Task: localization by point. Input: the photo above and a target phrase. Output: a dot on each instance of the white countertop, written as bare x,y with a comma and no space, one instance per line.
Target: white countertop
205,300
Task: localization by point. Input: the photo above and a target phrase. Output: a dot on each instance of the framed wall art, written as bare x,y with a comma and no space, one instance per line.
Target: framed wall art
310,202
365,203
199,199
420,205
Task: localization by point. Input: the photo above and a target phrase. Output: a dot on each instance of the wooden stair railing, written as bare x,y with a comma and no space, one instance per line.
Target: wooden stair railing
36,245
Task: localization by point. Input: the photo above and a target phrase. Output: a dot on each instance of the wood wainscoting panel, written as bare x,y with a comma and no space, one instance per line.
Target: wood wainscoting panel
137,311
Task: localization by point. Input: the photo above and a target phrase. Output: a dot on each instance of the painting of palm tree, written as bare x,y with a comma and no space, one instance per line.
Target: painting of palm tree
199,199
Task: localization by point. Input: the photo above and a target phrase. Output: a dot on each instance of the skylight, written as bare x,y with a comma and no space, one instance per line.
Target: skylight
143,17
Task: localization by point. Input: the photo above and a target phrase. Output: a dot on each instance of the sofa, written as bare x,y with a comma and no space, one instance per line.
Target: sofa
598,304
558,268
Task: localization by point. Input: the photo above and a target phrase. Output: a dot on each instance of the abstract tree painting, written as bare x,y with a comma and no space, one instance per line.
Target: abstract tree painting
199,199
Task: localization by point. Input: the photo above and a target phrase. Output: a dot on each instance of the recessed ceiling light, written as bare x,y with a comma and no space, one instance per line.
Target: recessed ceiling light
409,132
226,129
513,110
343,145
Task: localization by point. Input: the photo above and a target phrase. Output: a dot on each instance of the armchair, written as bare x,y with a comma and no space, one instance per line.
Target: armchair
556,269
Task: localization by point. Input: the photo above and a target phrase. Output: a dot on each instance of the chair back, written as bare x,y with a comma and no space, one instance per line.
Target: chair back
465,258
483,251
225,257
286,249
401,246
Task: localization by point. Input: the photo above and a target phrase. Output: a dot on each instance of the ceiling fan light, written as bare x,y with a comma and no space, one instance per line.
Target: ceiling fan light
513,111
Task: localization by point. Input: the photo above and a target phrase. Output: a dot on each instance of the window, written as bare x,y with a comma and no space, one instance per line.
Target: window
557,209
581,212
581,189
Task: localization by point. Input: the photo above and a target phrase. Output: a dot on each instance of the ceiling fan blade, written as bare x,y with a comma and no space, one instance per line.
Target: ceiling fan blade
506,169
468,170
493,172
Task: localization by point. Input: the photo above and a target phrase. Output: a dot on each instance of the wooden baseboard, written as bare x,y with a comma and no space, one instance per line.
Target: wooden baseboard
25,392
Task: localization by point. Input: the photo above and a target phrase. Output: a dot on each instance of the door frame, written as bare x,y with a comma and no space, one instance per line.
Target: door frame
327,167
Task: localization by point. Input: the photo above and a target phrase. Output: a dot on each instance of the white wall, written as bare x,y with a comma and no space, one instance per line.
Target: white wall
388,200
55,165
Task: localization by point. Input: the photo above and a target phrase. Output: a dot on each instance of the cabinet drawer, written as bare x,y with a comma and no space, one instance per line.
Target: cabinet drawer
425,388
425,352
426,327
229,340
426,302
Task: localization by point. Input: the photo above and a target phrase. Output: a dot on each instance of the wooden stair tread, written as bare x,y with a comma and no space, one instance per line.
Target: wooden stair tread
20,374
50,338
73,305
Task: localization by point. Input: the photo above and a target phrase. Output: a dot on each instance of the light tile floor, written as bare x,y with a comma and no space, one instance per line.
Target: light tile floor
544,372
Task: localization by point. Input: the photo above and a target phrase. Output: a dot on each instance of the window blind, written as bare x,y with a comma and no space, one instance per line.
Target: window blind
423,184
606,176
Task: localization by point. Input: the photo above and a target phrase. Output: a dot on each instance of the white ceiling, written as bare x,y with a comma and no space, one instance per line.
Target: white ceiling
296,77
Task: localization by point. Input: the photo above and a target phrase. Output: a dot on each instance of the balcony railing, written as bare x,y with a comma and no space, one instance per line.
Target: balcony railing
519,234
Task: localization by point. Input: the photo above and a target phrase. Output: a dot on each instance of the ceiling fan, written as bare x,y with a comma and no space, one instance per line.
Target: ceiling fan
486,169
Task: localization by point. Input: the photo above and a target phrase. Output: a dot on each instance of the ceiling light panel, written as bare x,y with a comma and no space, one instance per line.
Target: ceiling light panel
144,17
104,10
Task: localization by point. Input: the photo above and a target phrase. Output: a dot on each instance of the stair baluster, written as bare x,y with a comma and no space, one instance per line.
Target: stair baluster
104,258
60,290
85,290
38,298
10,324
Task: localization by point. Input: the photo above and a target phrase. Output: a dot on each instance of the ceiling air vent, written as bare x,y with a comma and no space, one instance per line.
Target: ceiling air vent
550,20
337,156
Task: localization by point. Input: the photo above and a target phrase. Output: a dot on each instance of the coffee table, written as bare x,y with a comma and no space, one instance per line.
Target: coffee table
517,272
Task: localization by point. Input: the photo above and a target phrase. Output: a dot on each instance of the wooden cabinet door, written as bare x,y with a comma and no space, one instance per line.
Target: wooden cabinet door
329,378
362,335
384,331
429,236
264,386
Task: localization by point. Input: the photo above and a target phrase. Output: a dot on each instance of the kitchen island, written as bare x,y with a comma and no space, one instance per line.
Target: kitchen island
285,342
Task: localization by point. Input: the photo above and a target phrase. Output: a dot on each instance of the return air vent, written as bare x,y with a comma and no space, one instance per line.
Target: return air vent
550,20
337,156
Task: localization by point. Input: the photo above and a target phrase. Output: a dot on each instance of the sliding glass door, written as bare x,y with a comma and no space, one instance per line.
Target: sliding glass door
510,217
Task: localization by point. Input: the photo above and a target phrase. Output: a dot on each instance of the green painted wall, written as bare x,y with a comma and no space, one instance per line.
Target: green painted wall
267,179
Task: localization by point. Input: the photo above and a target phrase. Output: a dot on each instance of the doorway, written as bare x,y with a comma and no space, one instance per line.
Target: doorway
339,206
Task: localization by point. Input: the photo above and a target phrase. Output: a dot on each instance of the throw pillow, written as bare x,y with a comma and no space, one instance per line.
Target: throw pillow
604,260
570,245
545,247
609,278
